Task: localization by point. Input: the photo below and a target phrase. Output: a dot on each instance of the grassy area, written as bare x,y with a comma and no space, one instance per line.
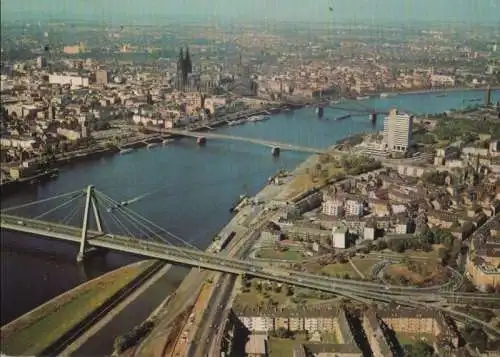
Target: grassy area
335,270
365,265
280,347
41,328
433,254
339,270
308,180
271,253
328,337
300,183
416,273
411,338
253,298
310,177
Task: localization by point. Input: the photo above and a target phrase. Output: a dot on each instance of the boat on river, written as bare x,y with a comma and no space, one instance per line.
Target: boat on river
257,118
343,117
126,151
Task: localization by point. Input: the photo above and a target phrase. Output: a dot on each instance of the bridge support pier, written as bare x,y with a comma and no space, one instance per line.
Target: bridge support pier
275,151
89,201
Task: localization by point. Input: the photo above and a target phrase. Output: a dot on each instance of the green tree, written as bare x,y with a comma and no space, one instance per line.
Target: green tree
444,254
419,349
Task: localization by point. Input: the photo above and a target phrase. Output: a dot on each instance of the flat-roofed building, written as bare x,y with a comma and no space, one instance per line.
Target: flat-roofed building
398,131
256,346
102,77
72,80
339,237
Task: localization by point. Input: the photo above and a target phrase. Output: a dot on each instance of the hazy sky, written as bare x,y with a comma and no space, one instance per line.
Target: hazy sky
309,10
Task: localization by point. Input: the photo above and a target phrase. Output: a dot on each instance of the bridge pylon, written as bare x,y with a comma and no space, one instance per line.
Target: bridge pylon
90,201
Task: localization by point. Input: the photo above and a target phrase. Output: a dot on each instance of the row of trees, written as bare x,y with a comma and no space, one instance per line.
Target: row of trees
248,282
122,343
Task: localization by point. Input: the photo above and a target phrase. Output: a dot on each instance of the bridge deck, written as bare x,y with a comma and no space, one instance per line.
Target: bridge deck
190,257
211,135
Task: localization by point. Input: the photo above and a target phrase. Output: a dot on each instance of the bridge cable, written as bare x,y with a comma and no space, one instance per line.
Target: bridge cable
105,224
134,220
136,226
60,206
125,209
119,224
138,216
110,207
163,239
40,201
69,217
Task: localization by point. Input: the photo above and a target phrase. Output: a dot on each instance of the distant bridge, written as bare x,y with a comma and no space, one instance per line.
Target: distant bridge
269,143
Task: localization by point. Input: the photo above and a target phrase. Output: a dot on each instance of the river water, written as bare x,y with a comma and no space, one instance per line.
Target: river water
193,189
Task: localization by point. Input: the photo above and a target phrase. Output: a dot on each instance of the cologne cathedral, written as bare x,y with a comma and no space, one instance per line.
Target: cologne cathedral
184,68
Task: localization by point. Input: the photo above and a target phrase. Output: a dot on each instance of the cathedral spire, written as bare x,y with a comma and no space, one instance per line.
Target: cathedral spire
188,63
180,61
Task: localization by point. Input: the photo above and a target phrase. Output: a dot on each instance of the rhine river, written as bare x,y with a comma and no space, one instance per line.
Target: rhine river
192,190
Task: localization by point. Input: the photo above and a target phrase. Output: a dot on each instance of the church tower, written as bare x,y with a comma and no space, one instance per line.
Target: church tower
180,70
187,63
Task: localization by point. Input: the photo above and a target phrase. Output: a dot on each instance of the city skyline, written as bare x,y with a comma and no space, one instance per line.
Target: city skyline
466,11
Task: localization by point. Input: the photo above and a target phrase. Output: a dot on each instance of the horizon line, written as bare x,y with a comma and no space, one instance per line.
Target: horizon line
232,19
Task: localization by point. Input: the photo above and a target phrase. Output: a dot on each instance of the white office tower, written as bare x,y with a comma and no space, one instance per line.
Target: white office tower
41,62
397,131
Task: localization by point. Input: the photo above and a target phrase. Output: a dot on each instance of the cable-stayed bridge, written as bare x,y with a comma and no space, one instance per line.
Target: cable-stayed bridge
109,224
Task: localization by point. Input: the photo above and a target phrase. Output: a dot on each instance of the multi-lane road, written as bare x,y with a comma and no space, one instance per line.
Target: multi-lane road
220,303
213,318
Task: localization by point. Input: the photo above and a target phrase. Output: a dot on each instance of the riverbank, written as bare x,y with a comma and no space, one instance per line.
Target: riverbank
440,90
37,330
15,186
247,223
128,303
